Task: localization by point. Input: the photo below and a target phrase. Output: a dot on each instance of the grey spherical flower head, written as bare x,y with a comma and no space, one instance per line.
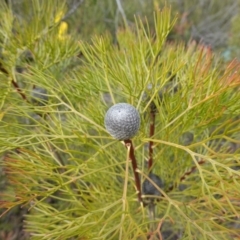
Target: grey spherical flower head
149,189
122,121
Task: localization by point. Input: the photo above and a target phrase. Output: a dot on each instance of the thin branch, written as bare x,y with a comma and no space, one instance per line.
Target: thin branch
183,177
73,9
19,90
128,144
151,133
121,10
24,97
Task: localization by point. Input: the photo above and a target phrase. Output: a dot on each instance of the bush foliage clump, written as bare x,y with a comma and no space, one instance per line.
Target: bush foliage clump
73,180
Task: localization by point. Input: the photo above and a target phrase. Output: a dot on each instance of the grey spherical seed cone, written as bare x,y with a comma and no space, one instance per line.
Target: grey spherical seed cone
122,121
149,189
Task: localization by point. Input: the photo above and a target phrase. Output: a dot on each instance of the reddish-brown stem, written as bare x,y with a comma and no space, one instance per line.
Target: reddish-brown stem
190,171
128,143
151,133
2,69
19,90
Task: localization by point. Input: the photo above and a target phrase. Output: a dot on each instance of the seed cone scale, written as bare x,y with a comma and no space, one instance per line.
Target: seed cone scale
122,121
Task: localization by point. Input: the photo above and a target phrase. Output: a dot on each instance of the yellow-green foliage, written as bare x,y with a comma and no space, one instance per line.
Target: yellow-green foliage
74,179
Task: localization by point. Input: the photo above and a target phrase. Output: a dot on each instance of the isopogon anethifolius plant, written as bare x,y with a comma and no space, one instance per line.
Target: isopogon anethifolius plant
122,121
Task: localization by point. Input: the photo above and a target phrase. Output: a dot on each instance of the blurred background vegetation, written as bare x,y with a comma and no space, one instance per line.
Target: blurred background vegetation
212,23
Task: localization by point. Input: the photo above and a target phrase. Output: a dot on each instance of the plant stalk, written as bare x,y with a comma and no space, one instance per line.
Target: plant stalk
151,133
128,143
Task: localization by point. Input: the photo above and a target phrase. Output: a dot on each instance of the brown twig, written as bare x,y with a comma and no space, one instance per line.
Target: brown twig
128,143
19,90
183,177
152,235
151,133
24,97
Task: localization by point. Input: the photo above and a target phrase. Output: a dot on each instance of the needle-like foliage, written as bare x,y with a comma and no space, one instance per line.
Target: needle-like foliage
72,177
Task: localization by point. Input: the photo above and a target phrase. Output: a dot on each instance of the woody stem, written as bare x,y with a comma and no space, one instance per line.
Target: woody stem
128,143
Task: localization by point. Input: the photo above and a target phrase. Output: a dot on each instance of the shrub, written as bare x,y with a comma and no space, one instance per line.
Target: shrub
73,178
